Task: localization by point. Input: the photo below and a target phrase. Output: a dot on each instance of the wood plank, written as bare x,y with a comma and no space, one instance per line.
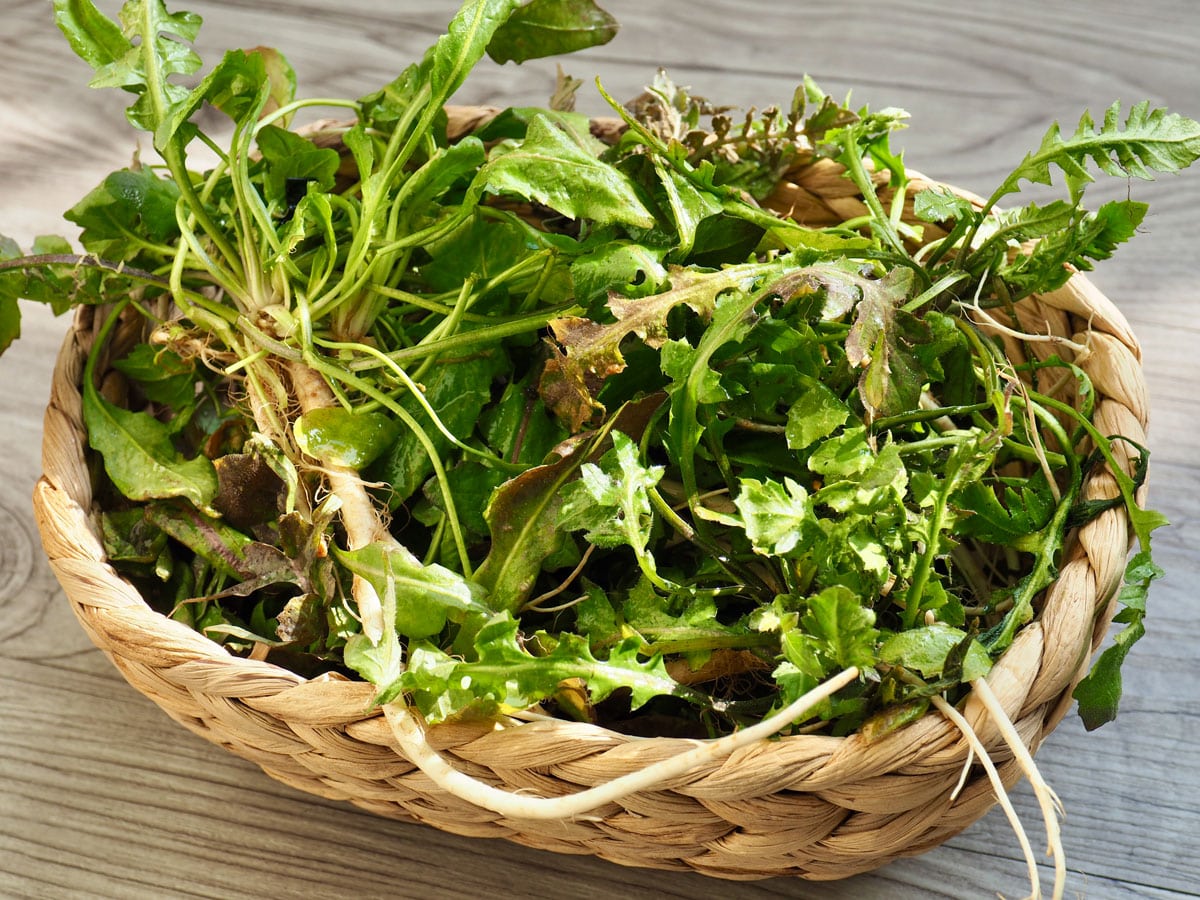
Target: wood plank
102,796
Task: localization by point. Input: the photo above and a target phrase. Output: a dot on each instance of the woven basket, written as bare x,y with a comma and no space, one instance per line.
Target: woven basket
810,806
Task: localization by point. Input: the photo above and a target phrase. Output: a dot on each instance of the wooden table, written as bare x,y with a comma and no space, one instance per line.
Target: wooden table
102,796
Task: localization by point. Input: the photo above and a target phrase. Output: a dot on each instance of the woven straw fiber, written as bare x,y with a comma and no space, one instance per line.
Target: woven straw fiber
811,806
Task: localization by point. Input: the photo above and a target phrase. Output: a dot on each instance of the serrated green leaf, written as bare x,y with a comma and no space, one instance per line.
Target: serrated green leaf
610,501
843,455
879,487
1015,522
592,351
846,628
880,343
505,676
1152,140
632,269
1093,236
380,664
940,204
153,46
774,515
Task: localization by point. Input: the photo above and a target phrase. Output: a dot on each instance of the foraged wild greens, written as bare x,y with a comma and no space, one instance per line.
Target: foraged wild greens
517,416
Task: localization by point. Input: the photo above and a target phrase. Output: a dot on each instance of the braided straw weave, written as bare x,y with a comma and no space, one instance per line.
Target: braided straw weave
811,806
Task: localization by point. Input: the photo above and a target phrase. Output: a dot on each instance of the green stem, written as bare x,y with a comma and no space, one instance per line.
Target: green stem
469,340
174,157
881,222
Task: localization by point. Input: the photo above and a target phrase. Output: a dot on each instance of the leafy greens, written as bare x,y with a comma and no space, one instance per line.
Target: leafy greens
603,428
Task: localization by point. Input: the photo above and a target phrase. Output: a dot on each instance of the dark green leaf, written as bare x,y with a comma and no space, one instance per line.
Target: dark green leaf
1015,522
129,204
523,519
130,538
162,374
457,390
723,240
1094,236
292,157
1099,694
140,457
550,28
513,124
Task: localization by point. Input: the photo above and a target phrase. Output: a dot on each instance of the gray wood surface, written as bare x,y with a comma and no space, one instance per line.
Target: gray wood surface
102,796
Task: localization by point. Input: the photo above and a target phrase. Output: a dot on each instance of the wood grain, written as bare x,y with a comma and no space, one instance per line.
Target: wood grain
102,796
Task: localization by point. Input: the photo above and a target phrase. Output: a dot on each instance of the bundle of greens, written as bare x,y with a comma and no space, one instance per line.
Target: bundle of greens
519,417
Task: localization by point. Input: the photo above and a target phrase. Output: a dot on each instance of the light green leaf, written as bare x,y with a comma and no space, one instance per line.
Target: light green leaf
551,169
151,45
610,501
381,664
775,516
339,437
926,649
425,596
816,414
846,454
845,627
689,205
